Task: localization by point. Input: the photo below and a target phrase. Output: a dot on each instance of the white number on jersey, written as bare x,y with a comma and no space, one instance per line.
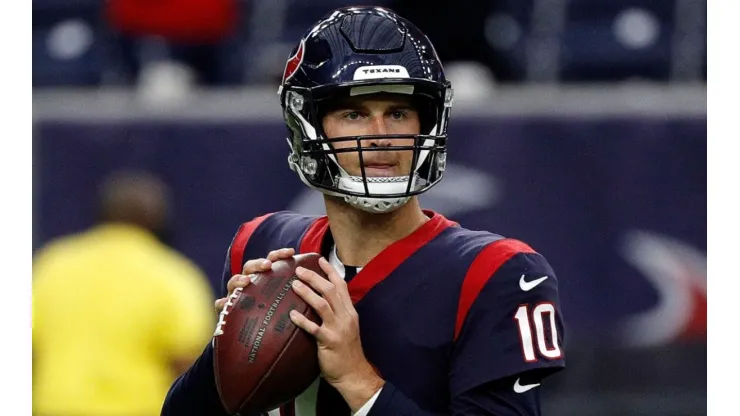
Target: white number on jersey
547,348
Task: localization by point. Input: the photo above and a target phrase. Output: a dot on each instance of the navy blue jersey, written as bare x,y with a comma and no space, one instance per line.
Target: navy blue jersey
455,321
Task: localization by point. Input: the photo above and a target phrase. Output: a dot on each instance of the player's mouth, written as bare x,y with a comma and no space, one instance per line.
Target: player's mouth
380,169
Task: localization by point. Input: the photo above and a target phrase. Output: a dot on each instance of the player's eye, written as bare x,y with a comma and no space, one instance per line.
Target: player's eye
399,114
352,115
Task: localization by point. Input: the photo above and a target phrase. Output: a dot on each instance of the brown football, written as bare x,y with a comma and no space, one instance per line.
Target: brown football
262,360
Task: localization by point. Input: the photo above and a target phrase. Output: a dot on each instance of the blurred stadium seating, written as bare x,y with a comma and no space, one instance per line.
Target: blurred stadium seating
528,40
69,43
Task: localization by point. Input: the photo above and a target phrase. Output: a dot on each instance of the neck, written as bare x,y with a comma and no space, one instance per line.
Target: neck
360,236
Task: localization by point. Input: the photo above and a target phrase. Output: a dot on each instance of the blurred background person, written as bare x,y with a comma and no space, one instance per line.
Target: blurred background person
117,314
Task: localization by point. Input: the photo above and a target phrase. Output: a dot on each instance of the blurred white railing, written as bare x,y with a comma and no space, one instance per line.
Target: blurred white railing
262,103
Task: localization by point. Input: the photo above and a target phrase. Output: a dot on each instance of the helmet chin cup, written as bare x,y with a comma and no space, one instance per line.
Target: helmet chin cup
376,205
377,186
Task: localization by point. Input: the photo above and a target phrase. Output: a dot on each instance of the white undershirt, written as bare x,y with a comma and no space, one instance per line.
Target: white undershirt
338,265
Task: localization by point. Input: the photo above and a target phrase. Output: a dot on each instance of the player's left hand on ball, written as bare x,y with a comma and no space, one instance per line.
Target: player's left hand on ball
252,266
340,350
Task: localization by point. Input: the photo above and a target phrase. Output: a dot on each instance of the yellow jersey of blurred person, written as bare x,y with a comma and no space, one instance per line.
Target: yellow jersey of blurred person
117,315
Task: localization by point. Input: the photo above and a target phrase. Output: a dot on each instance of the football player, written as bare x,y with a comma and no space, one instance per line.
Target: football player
420,316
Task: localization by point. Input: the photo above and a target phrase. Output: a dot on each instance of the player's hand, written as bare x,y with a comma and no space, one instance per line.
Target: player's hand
341,358
250,267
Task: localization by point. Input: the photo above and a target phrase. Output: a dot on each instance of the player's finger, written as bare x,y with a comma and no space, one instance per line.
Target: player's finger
219,304
324,287
336,280
237,280
304,323
319,304
256,266
280,254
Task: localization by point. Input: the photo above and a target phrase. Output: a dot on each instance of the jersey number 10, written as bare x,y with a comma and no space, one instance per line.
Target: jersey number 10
547,341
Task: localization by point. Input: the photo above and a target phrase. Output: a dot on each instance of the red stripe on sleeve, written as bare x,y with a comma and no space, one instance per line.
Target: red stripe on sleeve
311,242
488,261
240,243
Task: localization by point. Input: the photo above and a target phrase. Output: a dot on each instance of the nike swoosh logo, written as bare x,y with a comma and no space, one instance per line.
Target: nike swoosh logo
527,286
518,388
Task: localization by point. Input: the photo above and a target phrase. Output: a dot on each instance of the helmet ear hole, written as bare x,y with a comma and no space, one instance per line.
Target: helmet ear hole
296,134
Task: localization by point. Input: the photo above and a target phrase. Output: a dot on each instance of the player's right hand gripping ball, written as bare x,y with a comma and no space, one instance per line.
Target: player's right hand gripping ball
262,360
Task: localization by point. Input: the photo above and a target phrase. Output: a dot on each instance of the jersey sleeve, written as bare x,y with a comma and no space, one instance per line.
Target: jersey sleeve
509,320
236,256
497,398
492,398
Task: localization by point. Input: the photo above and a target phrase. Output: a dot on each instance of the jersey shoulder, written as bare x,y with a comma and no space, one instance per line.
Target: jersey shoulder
487,251
282,229
275,228
256,238
462,241
466,248
474,260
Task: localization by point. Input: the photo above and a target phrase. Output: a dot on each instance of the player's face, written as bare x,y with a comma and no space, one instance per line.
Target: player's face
387,115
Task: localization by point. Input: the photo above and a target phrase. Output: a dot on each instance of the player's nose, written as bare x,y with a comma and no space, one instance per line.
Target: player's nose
378,127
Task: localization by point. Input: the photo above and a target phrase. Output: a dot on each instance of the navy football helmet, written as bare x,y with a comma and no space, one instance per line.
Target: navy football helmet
364,50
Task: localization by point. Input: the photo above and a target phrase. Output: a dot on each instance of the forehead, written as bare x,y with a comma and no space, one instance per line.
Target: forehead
380,100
